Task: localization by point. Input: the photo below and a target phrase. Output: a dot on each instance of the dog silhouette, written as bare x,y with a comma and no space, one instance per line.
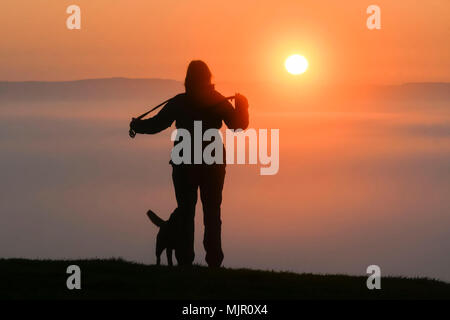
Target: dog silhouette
167,235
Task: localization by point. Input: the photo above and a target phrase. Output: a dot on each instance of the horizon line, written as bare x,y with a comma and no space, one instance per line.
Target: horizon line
251,82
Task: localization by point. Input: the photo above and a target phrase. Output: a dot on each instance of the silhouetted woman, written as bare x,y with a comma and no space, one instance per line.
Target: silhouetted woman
200,102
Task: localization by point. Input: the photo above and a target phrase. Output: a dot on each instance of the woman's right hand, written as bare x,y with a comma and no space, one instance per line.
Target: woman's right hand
132,131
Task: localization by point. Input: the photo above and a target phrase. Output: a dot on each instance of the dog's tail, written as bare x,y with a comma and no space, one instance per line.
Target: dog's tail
154,218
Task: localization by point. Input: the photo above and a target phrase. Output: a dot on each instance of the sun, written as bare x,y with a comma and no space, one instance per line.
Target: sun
296,64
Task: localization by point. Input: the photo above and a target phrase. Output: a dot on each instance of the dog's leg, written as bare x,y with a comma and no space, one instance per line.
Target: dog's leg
159,249
169,256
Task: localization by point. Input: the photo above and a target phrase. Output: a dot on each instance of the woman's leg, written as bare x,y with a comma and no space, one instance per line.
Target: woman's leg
185,183
211,185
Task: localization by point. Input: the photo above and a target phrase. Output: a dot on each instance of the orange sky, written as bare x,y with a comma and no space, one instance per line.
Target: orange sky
240,40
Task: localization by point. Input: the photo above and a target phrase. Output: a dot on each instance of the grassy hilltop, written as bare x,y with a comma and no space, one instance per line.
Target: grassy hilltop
118,279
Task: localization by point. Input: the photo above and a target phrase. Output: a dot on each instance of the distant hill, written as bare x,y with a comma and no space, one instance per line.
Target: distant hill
111,279
415,91
124,88
110,88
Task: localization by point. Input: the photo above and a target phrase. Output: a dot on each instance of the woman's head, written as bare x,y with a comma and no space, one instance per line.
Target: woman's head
198,77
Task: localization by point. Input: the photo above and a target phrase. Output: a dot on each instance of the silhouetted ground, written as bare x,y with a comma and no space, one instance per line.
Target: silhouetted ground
118,279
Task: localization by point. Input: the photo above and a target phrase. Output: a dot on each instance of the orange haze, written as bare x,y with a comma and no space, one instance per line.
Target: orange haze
241,40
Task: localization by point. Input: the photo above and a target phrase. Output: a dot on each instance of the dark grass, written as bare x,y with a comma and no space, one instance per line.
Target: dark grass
119,279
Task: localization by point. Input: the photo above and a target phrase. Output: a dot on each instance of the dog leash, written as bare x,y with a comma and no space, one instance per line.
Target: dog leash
132,133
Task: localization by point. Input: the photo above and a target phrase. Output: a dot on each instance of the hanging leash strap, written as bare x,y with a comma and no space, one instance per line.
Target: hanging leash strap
132,133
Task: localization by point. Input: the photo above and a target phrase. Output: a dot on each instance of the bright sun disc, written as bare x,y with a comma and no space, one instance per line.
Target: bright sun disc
296,64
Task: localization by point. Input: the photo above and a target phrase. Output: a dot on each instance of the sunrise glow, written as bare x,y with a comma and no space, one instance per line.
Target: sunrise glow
296,64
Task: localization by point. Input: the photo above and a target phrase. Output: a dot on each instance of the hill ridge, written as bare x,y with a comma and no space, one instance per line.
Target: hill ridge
117,278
